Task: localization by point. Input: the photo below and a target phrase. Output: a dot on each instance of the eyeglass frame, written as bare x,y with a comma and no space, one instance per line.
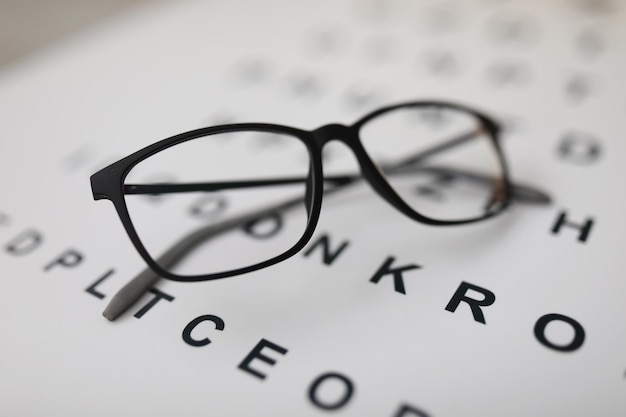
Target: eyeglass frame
108,183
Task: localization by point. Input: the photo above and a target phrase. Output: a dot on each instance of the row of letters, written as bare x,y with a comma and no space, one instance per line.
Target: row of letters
477,298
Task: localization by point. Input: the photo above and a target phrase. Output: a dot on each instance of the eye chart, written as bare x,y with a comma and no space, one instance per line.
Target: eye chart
379,315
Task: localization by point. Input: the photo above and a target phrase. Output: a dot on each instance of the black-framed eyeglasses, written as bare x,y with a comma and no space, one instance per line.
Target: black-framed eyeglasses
439,163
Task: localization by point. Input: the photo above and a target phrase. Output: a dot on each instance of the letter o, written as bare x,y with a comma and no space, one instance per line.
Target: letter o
580,148
540,332
254,229
326,404
208,206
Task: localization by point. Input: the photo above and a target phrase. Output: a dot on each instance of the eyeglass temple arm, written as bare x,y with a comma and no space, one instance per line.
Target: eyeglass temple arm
165,188
168,188
139,285
519,192
444,146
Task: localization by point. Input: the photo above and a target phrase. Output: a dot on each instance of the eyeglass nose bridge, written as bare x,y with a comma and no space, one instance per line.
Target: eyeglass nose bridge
333,131
370,171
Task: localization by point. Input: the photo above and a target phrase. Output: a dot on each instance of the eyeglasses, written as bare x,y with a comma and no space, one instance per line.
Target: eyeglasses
438,163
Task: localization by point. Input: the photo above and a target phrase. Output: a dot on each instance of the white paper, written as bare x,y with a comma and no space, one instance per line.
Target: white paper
171,68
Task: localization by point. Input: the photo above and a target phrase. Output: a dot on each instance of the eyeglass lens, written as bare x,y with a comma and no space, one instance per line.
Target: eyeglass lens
215,178
462,181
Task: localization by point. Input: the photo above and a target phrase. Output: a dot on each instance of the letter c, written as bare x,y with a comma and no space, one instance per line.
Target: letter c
219,325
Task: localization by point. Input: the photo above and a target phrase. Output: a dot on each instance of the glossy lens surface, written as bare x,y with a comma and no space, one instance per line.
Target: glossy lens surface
227,201
441,161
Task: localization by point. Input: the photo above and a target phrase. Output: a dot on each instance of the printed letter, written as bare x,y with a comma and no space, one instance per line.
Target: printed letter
158,295
24,243
474,304
92,288
219,325
70,258
264,227
408,411
340,400
328,257
540,332
584,229
385,269
257,353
